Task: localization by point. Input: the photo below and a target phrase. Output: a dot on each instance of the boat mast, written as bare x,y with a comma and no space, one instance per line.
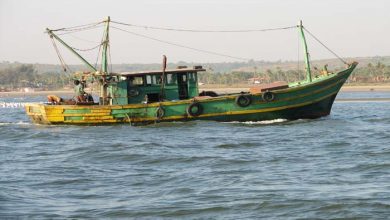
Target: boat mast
307,62
51,34
164,67
104,68
105,47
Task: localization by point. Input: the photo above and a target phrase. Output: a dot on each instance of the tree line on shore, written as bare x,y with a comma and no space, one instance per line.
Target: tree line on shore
19,75
26,75
371,73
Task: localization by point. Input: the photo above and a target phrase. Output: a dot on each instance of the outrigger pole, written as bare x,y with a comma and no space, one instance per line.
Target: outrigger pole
51,34
104,66
307,62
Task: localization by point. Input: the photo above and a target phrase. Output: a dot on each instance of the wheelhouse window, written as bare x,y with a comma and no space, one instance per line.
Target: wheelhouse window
153,79
171,79
136,81
148,79
192,77
184,77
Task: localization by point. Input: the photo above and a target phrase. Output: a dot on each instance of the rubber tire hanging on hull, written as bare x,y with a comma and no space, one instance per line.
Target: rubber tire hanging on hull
243,100
160,112
268,96
195,109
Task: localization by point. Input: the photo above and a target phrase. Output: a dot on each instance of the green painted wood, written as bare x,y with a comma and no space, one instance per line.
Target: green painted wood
73,118
77,111
118,93
309,100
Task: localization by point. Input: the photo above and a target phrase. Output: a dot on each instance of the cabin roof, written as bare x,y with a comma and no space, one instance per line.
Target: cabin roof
157,72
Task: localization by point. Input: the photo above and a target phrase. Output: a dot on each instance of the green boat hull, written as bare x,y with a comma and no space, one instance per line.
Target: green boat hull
299,101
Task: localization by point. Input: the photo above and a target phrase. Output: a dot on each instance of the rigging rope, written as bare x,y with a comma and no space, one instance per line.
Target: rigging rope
315,38
82,39
88,49
62,61
79,27
100,48
64,32
203,31
218,31
180,45
109,55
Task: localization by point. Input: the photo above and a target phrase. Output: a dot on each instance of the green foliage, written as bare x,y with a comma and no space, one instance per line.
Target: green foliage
26,75
371,73
46,76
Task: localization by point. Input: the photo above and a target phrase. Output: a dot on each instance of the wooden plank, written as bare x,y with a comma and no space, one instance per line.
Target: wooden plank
55,118
88,118
108,111
268,87
87,114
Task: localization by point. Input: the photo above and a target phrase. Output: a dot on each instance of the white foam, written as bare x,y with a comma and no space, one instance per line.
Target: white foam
14,104
14,123
267,122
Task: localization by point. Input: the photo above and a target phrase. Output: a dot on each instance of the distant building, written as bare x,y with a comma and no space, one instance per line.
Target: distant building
27,89
256,80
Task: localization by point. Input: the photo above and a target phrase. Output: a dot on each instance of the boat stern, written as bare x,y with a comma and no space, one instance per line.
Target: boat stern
37,113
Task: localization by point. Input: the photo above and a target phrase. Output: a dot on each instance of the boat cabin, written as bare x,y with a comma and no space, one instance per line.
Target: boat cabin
148,86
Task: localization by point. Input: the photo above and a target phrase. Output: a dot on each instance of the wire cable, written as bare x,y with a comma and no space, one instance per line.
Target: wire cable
315,38
62,61
180,45
64,32
203,31
88,49
82,39
98,54
78,27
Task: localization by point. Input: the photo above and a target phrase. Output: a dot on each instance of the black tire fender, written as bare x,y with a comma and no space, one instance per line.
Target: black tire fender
268,96
160,112
243,100
195,109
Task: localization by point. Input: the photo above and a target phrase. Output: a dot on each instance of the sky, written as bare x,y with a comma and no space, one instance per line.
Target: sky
351,28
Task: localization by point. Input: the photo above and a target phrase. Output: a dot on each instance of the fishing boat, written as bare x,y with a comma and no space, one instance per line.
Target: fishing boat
167,95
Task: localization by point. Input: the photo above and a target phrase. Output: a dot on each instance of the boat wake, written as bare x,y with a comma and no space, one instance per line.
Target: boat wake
267,122
15,123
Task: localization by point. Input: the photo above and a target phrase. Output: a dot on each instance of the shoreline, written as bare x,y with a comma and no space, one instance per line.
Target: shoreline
217,88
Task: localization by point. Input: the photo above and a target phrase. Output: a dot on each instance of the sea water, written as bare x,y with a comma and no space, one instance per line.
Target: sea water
332,167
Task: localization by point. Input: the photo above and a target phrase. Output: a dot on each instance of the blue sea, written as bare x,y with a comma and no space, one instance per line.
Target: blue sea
335,167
